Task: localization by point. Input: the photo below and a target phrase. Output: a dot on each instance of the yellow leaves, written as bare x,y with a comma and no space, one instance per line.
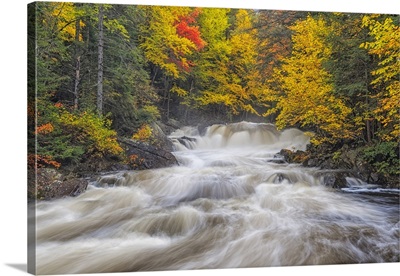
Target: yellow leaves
309,38
214,22
153,112
143,134
228,65
87,126
66,15
386,45
179,91
161,43
216,98
114,26
307,98
243,22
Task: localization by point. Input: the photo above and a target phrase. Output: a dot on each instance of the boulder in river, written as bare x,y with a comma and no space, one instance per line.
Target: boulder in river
145,156
294,156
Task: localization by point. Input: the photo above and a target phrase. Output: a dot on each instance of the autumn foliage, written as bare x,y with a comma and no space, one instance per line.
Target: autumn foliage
68,137
37,161
185,28
386,45
307,98
89,129
143,134
44,129
333,75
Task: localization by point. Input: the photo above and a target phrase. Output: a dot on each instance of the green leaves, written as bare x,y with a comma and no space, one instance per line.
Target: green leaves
384,157
385,45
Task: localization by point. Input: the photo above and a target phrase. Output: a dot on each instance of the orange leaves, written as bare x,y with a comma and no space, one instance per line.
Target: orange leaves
135,161
31,111
38,161
58,105
143,134
44,129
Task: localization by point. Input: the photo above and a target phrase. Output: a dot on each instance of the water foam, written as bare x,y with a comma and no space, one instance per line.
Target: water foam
225,206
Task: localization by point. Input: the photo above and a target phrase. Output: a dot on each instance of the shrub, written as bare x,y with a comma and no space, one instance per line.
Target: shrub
384,157
67,138
92,131
143,134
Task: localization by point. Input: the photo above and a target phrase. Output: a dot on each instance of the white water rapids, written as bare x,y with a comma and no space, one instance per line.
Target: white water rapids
231,203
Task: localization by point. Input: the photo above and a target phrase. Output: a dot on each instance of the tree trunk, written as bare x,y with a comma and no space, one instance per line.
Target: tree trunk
77,80
367,122
100,64
77,64
168,100
166,94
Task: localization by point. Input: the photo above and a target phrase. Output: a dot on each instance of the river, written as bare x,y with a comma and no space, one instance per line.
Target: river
231,203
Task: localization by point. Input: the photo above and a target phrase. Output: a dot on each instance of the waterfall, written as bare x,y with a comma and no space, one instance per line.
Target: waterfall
227,205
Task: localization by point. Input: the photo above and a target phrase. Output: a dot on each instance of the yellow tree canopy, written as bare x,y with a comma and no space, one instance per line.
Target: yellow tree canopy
162,44
306,97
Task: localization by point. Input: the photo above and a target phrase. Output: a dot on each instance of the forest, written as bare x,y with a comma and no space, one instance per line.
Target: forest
97,72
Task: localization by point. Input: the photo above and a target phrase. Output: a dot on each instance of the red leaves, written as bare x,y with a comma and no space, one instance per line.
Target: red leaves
184,29
190,32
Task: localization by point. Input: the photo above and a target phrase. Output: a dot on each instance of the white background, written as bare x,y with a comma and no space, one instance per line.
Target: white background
13,224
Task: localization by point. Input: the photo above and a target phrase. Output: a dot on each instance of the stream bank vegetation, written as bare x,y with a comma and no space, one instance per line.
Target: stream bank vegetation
97,72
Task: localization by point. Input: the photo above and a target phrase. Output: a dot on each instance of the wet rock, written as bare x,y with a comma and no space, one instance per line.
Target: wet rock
160,137
145,156
184,140
335,178
277,159
312,162
294,156
50,184
374,177
174,123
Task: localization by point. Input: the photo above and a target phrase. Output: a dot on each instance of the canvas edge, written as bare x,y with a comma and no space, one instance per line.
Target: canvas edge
31,101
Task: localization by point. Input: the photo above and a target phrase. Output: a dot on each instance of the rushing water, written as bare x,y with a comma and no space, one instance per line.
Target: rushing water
231,203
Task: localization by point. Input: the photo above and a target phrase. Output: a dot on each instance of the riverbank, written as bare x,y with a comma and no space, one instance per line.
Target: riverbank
347,161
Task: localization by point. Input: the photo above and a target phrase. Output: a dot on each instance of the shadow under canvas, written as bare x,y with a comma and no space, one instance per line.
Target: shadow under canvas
20,267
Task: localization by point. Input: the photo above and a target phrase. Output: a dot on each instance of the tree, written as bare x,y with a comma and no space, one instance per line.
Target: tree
306,99
350,67
227,69
168,42
386,46
129,98
100,46
274,36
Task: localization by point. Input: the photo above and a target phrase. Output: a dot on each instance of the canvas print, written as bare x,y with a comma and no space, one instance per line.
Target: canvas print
181,138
